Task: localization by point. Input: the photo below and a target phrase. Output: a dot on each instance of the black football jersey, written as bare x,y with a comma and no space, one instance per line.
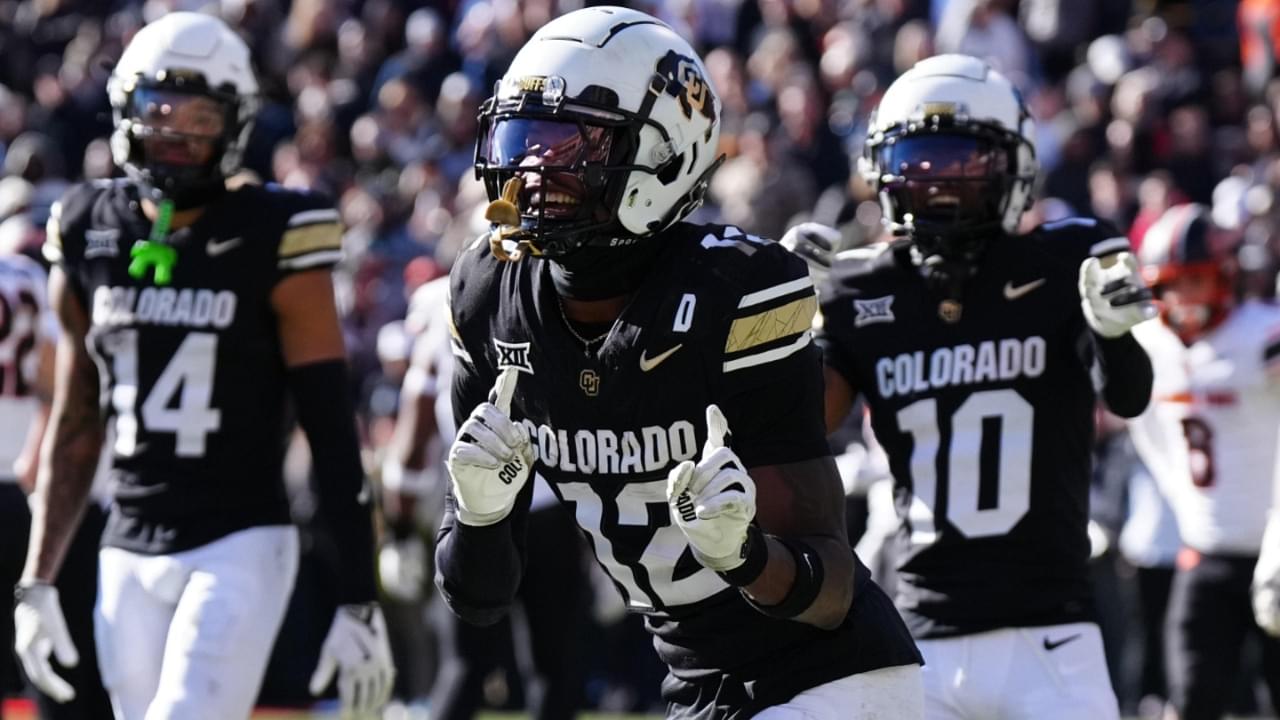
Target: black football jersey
724,318
192,377
985,409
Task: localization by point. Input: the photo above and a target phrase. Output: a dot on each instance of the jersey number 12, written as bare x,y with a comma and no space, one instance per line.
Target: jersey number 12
964,451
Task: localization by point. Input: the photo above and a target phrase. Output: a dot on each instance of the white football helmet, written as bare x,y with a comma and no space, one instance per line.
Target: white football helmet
609,119
160,94
950,150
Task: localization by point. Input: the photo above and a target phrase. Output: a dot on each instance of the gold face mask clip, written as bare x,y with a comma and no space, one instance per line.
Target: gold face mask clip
505,216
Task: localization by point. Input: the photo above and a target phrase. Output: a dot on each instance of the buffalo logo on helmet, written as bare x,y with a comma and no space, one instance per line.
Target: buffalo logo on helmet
685,83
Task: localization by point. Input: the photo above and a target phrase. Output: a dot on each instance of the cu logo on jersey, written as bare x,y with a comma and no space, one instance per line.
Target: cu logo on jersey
589,381
685,83
513,355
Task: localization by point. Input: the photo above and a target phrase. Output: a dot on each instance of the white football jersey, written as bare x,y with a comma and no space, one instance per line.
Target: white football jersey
25,323
1209,436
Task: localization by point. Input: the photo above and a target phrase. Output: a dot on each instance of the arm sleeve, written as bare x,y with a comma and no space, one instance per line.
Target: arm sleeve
478,569
1127,374
326,416
771,370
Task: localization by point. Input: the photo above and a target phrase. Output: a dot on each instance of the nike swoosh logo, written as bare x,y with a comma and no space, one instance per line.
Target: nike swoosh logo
217,247
1012,292
1052,645
647,364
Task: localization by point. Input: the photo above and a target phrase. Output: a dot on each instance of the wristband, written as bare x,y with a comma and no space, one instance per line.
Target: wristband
754,554
804,590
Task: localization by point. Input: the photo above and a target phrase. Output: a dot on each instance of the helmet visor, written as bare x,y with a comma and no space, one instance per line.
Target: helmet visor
552,158
945,178
176,128
536,142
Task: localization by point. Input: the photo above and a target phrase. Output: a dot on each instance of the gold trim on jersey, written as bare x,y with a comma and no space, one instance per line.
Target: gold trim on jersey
310,238
765,327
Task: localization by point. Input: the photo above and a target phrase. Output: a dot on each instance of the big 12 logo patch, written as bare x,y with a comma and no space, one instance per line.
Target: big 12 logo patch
686,84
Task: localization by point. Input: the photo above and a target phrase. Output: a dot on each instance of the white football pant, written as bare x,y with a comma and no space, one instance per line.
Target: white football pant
187,636
893,693
1056,672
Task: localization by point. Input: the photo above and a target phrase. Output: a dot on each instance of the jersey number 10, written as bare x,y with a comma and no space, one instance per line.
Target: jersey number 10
964,451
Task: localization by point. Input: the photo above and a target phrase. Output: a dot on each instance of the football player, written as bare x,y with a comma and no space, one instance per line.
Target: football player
194,313
980,353
1209,439
28,333
613,347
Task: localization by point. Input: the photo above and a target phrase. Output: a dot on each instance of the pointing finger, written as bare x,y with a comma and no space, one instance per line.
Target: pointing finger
504,389
717,430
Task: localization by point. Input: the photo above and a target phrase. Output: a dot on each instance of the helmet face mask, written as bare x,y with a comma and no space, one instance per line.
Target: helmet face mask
177,137
607,118
183,99
946,190
570,159
1194,300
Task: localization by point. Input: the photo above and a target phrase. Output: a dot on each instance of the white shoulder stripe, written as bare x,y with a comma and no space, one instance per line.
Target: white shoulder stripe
311,217
311,260
1108,246
768,355
767,294
460,352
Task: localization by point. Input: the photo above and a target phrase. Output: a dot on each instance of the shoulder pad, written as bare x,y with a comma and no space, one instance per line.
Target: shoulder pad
1080,237
310,227
68,218
472,279
776,303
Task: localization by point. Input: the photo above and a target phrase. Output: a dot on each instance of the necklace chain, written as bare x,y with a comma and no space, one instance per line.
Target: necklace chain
587,343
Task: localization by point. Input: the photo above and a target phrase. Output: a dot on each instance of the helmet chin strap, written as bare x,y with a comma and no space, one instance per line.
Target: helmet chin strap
947,277
946,273
597,273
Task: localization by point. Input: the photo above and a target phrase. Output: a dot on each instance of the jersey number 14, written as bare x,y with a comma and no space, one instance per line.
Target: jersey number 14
969,430
188,376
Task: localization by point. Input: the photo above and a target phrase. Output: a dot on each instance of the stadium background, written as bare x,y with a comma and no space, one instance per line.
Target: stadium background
1139,104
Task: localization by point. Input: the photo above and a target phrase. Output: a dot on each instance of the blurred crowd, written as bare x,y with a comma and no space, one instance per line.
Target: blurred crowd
1139,105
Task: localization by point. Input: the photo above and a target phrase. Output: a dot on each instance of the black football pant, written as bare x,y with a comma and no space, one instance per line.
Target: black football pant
1210,615
1154,586
553,599
77,588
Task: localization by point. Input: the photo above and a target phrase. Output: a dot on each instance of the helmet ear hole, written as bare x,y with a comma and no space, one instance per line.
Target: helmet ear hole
671,170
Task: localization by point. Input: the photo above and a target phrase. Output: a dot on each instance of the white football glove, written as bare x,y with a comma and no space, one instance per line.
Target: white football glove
816,244
490,460
357,650
402,568
713,501
1112,294
40,629
1266,580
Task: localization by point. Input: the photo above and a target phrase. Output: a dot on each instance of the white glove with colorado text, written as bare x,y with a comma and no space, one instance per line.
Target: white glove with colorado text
490,460
1112,294
358,651
41,630
714,500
